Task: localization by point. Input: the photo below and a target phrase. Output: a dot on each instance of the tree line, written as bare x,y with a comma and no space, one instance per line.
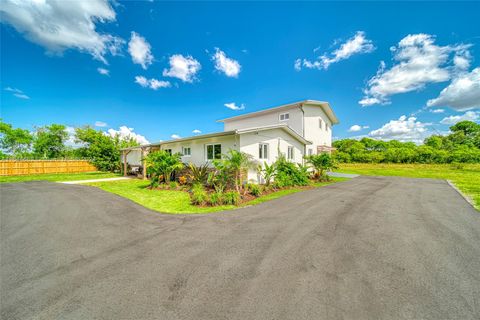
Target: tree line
461,145
52,142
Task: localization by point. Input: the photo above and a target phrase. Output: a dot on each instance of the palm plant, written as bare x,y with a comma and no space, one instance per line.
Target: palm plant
321,164
268,172
237,162
162,164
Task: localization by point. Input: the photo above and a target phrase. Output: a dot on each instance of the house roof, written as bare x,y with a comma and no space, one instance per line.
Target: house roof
282,126
323,104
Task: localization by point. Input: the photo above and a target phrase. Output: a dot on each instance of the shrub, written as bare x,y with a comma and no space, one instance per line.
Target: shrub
268,172
199,174
216,198
162,163
198,195
254,189
173,185
289,174
231,197
321,163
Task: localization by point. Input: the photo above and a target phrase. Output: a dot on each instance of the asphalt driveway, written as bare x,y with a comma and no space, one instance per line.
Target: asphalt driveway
368,248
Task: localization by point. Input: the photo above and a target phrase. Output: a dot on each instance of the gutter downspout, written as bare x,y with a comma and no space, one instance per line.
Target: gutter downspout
303,132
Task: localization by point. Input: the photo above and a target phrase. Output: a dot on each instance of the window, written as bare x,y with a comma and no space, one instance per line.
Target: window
284,116
310,152
263,151
187,151
214,151
168,151
290,154
320,123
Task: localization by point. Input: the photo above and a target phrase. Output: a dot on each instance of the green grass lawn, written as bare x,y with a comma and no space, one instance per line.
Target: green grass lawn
59,177
174,202
466,177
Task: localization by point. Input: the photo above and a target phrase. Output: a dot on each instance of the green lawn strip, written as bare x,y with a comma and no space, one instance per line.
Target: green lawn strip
178,202
466,178
59,177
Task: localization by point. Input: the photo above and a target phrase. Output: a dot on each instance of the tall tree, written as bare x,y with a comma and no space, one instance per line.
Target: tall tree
15,142
50,141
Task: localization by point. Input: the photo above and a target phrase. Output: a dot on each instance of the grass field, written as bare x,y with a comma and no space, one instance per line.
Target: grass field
175,202
59,177
466,177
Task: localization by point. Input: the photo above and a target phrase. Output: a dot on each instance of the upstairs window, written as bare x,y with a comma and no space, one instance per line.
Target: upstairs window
187,151
214,151
284,116
263,151
320,123
290,153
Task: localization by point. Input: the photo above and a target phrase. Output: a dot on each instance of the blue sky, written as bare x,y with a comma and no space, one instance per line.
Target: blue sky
389,70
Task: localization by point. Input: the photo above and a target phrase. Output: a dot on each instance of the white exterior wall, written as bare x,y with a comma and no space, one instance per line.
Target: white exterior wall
198,147
318,136
277,140
295,122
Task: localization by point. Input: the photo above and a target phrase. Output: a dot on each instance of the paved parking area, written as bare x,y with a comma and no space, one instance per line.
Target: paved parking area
368,248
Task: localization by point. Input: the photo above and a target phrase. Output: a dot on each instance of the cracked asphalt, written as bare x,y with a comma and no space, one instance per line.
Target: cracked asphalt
368,248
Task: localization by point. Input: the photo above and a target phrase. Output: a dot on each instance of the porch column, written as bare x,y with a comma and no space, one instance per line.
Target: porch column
124,163
144,164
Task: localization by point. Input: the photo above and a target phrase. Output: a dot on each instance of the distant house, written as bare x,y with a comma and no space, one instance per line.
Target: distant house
294,130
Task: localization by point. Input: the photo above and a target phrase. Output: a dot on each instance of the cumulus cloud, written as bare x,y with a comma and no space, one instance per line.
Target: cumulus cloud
196,131
175,136
228,66
103,71
17,93
59,25
183,68
357,44
404,129
125,132
469,116
356,128
140,50
233,106
100,124
462,93
419,61
152,83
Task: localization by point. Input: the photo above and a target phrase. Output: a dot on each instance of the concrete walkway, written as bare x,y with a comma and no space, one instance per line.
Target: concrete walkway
95,180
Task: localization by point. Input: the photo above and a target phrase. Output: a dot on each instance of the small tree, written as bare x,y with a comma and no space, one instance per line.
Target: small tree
162,164
237,162
268,172
50,141
17,141
321,163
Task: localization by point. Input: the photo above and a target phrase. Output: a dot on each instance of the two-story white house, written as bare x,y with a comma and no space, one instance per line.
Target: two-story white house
294,130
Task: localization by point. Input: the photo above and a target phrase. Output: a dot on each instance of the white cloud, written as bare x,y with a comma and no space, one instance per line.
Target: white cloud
356,128
437,110
125,132
357,44
152,83
404,129
175,136
17,93
469,115
196,131
233,106
59,25
418,62
183,68
100,124
230,67
462,93
140,50
103,71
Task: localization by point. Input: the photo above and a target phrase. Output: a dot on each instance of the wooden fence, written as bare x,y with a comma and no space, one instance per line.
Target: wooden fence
21,167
